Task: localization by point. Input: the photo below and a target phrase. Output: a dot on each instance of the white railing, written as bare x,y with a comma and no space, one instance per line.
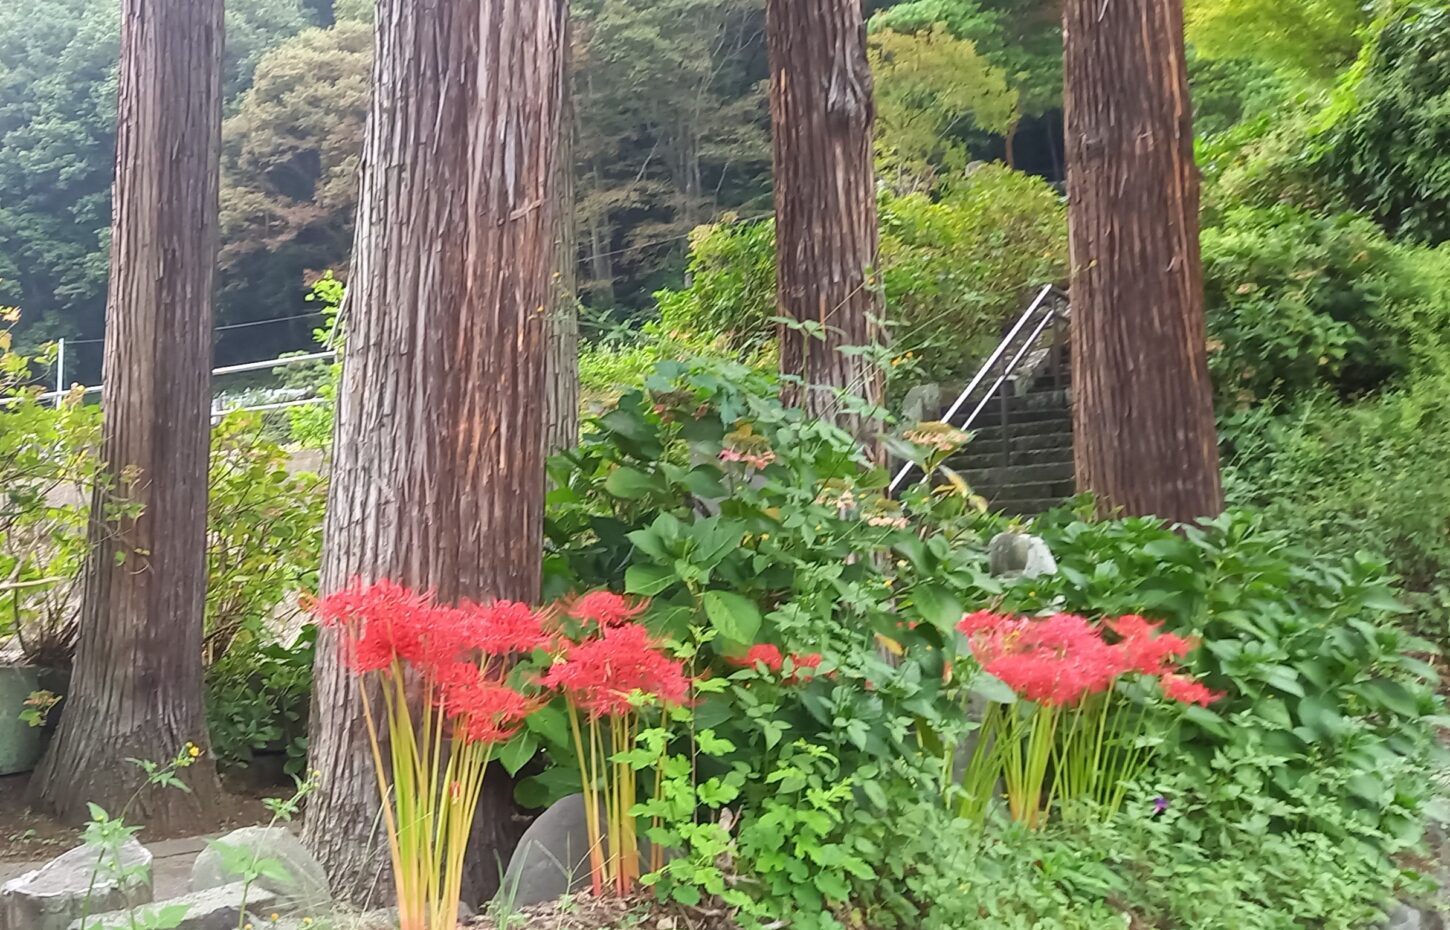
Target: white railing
58,396
1045,310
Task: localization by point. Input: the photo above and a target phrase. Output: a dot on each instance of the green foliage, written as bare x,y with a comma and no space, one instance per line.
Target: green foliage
1317,37
58,61
289,167
954,270
1371,476
1297,302
257,700
264,535
672,127
930,89
1388,155
48,467
1318,673
1022,38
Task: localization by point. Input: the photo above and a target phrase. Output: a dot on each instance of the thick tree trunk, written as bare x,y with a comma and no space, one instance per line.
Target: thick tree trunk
822,112
137,688
561,391
437,476
1143,404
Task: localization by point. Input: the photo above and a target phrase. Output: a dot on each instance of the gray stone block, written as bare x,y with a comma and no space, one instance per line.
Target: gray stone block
288,869
1019,555
75,883
212,909
1404,917
552,859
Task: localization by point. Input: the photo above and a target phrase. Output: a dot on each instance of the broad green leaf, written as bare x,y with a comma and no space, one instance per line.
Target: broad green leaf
648,580
736,618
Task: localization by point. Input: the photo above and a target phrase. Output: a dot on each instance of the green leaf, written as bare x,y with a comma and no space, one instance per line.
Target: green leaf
517,752
552,723
993,689
648,580
736,618
631,483
937,605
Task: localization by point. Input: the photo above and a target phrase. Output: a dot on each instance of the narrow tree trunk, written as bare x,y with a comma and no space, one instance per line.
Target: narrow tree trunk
822,111
136,692
437,476
561,392
1143,410
601,264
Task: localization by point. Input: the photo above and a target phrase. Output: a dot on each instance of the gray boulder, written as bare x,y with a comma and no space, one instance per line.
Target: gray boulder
85,880
1404,917
213,909
1019,555
552,859
285,867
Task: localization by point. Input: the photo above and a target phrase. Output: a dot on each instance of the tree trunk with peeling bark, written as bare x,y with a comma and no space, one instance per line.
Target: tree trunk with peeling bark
822,113
437,476
1143,404
136,692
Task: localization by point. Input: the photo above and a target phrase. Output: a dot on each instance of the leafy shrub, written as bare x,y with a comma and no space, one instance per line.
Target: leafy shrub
1370,476
257,700
954,270
48,471
264,535
1388,155
1318,674
747,523
1297,302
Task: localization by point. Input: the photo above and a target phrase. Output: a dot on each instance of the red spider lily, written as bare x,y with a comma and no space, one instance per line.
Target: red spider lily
1145,649
1188,690
805,667
388,623
607,608
506,628
487,711
601,676
1057,660
760,654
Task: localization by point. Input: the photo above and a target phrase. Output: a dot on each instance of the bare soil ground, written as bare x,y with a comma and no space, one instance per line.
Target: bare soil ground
28,836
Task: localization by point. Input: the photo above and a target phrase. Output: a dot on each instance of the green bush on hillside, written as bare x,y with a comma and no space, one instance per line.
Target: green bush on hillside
954,270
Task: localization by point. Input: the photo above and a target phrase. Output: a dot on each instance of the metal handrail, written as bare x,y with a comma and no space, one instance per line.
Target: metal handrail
225,370
1052,314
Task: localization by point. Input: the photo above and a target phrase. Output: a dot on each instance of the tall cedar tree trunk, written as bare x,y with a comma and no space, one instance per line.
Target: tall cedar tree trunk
437,476
822,112
561,392
136,692
1143,404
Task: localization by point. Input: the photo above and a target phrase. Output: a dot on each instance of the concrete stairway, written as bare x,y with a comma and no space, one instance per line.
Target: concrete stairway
1020,454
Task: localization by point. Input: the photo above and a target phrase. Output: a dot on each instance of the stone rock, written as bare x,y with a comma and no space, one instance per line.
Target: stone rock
218,908
923,402
72,884
1404,917
305,889
1019,555
552,859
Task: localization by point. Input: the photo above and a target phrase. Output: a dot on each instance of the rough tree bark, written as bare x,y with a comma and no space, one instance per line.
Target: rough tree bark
561,392
822,113
137,687
437,476
1143,405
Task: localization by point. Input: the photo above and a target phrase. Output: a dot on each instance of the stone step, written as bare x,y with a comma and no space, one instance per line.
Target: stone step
1002,478
986,430
989,442
1001,495
1016,457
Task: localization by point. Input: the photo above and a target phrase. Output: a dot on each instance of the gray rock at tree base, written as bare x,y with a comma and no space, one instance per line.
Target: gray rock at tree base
77,882
923,402
552,859
305,889
212,909
1019,555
